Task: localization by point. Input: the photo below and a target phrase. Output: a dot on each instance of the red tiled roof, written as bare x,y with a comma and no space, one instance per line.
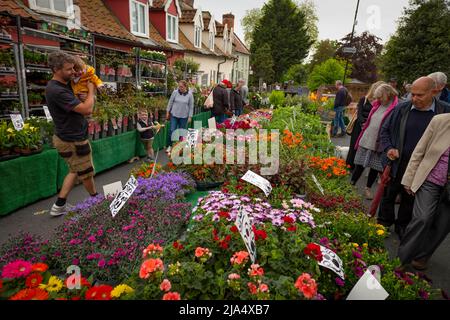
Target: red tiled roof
18,8
184,41
206,19
97,18
239,46
188,16
155,36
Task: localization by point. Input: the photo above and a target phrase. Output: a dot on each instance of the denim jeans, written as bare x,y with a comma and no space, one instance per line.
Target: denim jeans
238,112
339,120
176,123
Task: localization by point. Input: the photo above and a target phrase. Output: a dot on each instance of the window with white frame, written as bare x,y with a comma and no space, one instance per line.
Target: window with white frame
172,28
55,7
139,18
198,36
211,40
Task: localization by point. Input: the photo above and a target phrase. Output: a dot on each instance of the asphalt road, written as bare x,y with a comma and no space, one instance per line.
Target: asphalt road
28,219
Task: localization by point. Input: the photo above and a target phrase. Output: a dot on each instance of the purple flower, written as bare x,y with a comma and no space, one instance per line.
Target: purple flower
92,239
339,282
357,255
423,294
75,261
74,242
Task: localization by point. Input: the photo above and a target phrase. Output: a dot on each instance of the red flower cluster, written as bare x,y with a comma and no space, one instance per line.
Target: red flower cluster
224,214
102,292
290,224
223,243
313,250
259,234
177,245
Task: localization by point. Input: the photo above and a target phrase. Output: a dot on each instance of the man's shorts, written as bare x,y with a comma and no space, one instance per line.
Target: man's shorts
77,155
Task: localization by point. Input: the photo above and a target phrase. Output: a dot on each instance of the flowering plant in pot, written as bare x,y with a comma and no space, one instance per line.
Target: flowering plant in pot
27,140
6,135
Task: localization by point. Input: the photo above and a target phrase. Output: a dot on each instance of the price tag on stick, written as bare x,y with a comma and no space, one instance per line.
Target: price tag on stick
318,184
245,229
17,121
47,114
123,196
258,181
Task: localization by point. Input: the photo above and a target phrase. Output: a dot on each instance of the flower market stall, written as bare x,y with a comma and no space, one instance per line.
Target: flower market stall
311,238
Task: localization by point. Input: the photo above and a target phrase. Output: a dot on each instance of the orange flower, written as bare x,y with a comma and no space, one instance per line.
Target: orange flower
149,266
33,280
306,285
171,296
152,249
30,294
239,257
199,252
165,285
39,267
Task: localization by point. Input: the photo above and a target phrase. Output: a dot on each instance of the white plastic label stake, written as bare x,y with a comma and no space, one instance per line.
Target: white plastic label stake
212,123
123,196
112,189
318,184
332,261
245,228
192,137
258,181
17,121
47,114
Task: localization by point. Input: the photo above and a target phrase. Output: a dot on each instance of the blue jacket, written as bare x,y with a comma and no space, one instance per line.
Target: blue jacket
392,133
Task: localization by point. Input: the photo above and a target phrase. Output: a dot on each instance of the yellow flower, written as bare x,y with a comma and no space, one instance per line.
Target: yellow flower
380,232
355,245
365,245
379,226
121,289
26,126
54,284
10,130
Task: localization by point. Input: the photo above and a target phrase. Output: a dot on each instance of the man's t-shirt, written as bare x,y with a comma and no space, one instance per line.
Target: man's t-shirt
69,125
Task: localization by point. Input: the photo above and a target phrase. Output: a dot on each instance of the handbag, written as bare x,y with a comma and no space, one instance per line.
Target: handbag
351,124
209,102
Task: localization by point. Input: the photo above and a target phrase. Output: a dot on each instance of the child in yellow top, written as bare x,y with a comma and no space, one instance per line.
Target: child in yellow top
84,74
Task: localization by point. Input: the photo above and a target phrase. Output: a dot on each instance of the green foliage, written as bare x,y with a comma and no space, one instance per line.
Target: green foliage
249,22
187,65
298,73
323,50
282,20
262,63
276,98
326,73
422,42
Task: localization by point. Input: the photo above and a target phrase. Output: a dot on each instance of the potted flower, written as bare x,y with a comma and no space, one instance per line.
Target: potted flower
6,136
28,140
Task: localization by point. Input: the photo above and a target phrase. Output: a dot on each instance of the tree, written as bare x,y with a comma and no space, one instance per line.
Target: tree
326,73
368,49
421,44
298,73
309,9
323,50
249,23
283,28
262,63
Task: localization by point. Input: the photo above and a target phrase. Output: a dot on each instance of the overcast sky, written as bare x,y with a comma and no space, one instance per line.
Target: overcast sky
335,17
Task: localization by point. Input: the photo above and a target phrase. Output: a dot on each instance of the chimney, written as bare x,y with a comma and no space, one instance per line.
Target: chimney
228,19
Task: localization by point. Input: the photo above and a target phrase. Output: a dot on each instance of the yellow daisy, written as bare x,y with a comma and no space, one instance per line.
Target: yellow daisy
355,245
380,232
121,289
365,245
54,284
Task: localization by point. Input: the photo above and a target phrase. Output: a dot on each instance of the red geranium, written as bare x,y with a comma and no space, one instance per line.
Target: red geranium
224,214
178,245
292,228
259,234
288,219
314,251
234,229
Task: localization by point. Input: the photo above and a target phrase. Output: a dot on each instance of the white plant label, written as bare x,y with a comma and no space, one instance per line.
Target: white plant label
258,181
332,261
112,189
47,114
17,121
212,123
123,196
318,184
192,137
245,229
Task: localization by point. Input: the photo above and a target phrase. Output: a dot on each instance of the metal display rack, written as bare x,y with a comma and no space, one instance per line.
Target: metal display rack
7,99
143,63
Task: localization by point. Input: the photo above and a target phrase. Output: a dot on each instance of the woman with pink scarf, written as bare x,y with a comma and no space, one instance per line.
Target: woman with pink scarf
368,154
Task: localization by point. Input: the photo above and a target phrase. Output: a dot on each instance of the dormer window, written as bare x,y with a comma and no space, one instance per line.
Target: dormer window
211,40
63,8
172,28
139,18
198,36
